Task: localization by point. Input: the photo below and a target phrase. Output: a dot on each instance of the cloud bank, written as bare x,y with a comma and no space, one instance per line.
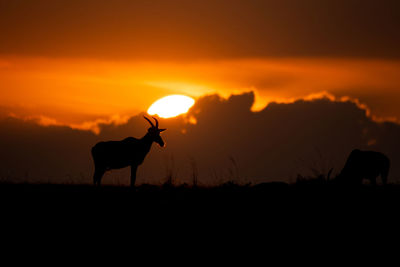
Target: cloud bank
76,92
228,141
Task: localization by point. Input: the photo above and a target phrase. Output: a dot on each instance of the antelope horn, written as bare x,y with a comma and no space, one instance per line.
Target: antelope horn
156,122
152,125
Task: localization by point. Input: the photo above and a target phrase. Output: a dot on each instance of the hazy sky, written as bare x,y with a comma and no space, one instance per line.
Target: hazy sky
181,29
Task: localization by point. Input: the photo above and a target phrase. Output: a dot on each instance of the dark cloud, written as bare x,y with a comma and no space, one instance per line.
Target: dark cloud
200,29
227,142
31,152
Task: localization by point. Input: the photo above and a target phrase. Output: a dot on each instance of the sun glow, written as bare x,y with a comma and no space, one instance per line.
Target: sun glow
171,106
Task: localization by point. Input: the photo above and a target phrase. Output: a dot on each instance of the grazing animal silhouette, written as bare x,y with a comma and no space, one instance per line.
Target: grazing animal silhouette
364,165
128,152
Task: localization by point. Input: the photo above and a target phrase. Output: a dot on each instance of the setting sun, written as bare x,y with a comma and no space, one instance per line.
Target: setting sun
171,106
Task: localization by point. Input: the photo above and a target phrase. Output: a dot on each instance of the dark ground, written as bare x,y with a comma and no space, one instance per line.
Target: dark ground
302,217
225,198
228,224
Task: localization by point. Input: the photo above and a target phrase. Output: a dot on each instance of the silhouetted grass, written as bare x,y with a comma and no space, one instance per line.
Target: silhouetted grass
319,179
303,184
195,172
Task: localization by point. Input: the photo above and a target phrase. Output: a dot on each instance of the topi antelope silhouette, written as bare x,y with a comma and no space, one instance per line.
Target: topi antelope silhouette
364,165
128,152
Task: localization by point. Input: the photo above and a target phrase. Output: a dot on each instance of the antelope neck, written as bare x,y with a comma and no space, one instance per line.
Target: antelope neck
147,139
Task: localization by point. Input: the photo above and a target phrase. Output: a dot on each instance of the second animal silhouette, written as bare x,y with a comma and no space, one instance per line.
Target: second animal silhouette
364,165
128,152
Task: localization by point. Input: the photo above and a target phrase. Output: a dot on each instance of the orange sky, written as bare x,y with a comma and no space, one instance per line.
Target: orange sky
79,91
80,62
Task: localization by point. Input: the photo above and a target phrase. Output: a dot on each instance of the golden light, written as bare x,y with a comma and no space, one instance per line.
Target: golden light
171,106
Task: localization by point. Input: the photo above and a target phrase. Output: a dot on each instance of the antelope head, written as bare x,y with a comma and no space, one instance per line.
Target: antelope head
154,132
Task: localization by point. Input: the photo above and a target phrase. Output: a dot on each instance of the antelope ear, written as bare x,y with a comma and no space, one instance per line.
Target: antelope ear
161,130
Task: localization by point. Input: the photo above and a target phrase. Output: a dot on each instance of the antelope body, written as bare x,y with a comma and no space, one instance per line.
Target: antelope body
129,152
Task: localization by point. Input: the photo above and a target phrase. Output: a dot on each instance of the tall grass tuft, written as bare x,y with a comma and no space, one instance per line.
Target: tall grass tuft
195,173
170,175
